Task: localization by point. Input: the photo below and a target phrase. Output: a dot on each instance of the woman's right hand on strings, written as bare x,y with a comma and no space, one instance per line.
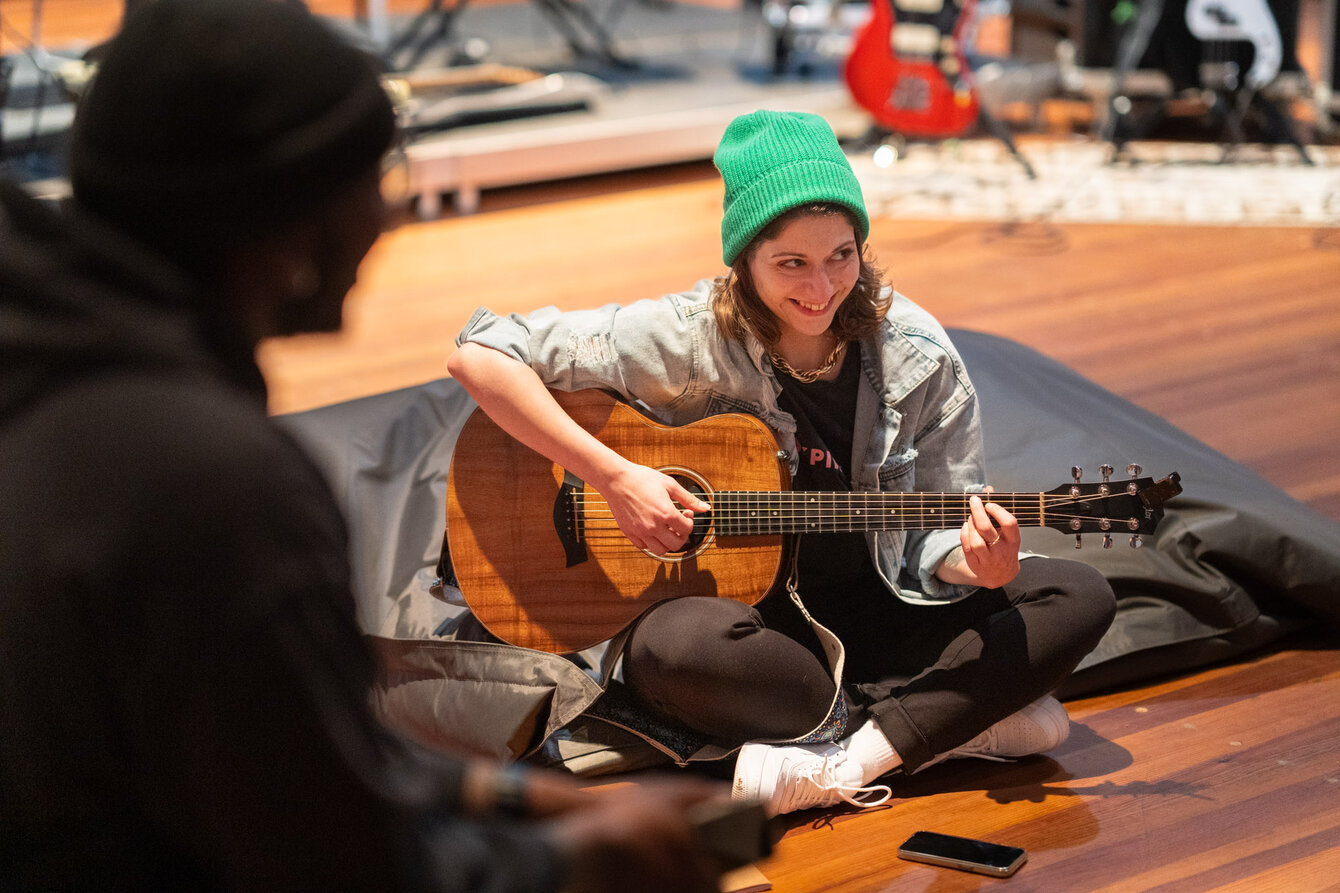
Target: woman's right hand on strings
642,500
652,509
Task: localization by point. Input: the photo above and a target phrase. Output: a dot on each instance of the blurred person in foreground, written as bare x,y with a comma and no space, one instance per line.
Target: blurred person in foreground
183,687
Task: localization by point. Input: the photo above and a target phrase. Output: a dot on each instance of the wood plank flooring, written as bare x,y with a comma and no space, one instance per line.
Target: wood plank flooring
1226,779
1221,780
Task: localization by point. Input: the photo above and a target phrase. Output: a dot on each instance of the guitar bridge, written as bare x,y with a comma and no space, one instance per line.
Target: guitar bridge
570,521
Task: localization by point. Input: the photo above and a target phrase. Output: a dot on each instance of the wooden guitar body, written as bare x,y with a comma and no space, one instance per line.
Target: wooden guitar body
907,67
542,563
533,577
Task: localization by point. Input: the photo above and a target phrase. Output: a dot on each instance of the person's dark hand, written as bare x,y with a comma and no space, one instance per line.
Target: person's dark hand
638,837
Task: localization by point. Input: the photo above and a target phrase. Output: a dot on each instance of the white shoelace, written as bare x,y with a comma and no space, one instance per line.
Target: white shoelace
815,785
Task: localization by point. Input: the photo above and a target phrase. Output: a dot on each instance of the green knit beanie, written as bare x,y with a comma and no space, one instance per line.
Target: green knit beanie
772,162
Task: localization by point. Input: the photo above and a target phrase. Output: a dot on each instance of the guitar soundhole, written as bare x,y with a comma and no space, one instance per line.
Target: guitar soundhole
702,522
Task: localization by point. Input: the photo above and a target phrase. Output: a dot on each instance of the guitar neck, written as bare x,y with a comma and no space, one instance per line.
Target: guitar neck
746,513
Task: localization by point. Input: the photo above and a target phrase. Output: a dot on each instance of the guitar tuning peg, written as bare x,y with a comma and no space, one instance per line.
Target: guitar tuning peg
1106,471
1076,472
1107,541
1137,542
1079,541
1132,488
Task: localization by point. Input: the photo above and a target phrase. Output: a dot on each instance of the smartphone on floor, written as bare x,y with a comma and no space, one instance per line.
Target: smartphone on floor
963,853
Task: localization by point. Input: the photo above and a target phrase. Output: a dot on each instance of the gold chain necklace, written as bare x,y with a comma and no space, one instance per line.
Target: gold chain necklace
810,375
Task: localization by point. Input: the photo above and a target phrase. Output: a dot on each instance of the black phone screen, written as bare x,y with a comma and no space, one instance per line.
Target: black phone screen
962,852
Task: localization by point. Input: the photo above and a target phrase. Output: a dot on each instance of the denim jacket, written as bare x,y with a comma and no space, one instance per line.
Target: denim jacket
917,421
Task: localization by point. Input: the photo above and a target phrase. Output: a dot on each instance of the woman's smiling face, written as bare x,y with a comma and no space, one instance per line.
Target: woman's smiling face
805,273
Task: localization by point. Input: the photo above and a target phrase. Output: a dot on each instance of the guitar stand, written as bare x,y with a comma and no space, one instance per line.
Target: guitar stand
1134,42
878,135
1002,133
570,17
1278,123
417,38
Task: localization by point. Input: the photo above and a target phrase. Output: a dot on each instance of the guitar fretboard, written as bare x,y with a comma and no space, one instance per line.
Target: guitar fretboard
745,513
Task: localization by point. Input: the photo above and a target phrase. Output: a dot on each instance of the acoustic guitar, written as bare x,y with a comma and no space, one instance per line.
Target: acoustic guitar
539,559
907,67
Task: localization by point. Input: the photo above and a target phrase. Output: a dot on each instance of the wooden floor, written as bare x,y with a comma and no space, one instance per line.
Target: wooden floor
1227,779
1223,780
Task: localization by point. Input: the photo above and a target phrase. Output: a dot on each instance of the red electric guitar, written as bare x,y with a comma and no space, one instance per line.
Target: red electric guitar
908,70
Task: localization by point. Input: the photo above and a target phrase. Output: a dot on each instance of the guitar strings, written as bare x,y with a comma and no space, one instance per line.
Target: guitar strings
931,511
793,508
849,496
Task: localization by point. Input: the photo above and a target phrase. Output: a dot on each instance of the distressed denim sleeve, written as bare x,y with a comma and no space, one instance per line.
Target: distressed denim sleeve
643,351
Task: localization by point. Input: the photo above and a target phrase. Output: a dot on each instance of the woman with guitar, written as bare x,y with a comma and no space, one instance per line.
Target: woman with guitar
949,644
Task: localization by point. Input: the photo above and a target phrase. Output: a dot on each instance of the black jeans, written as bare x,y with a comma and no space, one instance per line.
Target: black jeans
932,676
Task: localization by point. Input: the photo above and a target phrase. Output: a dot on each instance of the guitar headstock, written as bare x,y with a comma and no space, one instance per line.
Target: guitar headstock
1133,506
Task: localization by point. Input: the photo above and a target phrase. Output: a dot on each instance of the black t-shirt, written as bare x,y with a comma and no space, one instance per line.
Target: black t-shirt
834,568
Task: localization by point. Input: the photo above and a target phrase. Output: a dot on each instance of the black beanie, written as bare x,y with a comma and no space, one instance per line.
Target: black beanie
211,119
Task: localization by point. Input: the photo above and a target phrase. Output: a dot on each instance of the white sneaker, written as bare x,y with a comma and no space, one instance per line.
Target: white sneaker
1041,726
802,776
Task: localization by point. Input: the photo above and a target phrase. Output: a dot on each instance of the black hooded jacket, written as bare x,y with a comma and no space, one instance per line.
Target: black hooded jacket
182,682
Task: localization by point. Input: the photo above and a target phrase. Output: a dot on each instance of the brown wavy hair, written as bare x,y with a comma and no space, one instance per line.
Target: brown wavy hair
739,309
